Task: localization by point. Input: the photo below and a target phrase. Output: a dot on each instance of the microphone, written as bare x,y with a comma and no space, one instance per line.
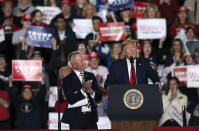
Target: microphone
131,60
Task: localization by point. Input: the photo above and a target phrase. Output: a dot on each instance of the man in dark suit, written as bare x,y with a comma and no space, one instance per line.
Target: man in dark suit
81,91
131,70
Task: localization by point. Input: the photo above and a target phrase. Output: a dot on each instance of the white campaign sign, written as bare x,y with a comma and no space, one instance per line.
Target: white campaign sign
151,28
193,76
2,35
82,27
103,122
52,96
48,13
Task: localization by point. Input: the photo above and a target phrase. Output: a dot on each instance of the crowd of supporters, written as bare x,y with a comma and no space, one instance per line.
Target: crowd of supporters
24,105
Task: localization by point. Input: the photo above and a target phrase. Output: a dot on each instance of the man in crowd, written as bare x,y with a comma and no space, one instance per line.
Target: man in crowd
81,91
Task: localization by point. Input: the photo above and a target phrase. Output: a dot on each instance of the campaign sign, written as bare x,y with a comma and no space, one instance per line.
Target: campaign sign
193,76
53,96
111,31
151,28
48,13
115,5
39,36
82,27
103,122
2,35
26,70
181,74
138,9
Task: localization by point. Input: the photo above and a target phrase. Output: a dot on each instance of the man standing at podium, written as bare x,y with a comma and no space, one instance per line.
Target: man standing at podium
131,70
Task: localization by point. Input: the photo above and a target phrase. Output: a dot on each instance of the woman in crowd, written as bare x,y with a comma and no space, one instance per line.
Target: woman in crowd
181,22
151,12
126,17
83,51
173,100
28,108
116,51
89,11
38,19
79,6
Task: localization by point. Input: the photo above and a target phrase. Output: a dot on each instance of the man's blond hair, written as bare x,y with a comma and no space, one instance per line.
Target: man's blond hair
128,42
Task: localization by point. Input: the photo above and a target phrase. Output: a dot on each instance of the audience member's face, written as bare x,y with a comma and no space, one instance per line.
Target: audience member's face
190,34
129,50
89,11
182,16
94,63
125,13
79,63
2,63
95,24
189,60
151,13
92,44
27,94
116,48
7,10
173,85
37,57
26,23
66,9
38,17
147,49
25,2
177,46
82,48
81,1
61,24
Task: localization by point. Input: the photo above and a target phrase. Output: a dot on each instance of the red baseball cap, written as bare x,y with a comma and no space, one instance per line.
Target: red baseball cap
183,9
68,2
27,17
26,86
93,55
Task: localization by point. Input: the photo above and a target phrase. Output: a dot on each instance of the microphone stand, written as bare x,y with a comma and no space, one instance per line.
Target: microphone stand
58,93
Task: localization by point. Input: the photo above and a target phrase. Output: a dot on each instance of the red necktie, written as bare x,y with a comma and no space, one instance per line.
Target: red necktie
132,75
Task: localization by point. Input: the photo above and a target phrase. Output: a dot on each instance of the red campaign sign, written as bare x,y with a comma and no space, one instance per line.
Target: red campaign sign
181,74
138,9
111,31
26,70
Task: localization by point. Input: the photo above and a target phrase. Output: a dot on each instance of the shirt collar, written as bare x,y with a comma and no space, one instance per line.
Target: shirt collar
77,72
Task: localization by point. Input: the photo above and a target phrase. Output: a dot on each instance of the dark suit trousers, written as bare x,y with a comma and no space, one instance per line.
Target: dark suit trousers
86,123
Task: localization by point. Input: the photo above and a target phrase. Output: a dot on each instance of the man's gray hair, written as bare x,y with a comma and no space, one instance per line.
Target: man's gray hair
71,57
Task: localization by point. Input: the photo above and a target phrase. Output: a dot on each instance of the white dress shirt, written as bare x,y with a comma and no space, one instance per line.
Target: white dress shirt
129,67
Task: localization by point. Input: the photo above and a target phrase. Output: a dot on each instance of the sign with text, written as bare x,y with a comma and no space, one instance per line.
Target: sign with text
103,122
193,76
138,9
82,27
39,36
2,35
111,31
151,28
26,70
181,74
52,96
115,5
48,13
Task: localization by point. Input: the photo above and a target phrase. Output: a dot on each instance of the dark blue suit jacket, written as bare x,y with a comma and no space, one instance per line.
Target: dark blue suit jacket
72,92
118,73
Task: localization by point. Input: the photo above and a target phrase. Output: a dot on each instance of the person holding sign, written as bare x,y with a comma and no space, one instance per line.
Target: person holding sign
81,91
131,70
173,101
28,108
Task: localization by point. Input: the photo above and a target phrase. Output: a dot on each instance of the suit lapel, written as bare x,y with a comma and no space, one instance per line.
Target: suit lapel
75,79
125,70
138,70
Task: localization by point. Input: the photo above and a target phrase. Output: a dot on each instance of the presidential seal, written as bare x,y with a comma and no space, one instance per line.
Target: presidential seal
133,99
